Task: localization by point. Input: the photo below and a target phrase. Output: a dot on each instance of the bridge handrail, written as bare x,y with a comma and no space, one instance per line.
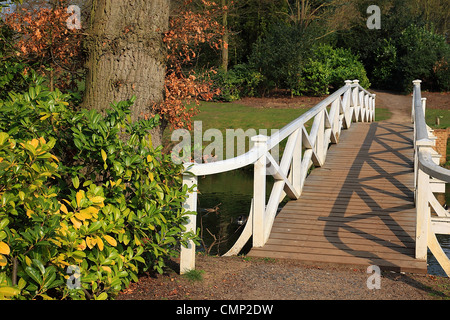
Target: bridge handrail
426,171
255,153
356,104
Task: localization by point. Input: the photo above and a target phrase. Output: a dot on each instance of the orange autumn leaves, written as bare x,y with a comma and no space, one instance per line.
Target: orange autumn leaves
44,39
187,31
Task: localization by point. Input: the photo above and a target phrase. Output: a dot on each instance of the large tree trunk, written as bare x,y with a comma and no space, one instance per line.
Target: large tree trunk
127,55
225,37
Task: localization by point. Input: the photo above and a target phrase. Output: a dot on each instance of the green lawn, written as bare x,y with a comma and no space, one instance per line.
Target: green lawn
382,114
442,114
222,116
235,116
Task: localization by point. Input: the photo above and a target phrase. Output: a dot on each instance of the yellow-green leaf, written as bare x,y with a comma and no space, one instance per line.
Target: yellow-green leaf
110,240
104,156
3,260
9,291
4,248
82,245
3,137
79,196
137,241
97,199
76,182
99,243
64,208
106,268
90,242
76,223
102,296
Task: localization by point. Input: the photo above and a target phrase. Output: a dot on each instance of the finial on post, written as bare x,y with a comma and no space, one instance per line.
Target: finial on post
417,82
348,82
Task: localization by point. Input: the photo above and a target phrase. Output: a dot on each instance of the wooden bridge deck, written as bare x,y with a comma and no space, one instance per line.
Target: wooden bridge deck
358,208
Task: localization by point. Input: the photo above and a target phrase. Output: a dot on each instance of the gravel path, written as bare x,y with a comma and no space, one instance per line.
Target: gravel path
238,278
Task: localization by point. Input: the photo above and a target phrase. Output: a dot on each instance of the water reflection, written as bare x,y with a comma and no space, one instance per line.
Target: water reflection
231,194
433,266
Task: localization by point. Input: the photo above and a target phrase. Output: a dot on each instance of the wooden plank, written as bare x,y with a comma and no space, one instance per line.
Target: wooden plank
358,209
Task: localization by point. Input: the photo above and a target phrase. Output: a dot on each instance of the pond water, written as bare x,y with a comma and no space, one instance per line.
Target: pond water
231,193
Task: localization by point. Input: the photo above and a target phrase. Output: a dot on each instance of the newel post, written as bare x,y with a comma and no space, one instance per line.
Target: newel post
421,186
373,107
187,255
259,192
422,213
416,86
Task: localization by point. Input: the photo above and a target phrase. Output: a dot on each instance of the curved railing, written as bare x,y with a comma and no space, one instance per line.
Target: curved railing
428,175
302,150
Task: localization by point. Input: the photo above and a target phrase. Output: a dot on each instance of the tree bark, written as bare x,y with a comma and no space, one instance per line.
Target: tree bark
127,56
225,37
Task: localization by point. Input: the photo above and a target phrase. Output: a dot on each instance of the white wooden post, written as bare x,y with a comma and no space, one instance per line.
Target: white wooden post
335,125
416,86
373,106
355,99
424,105
422,214
187,255
346,104
320,138
297,163
259,192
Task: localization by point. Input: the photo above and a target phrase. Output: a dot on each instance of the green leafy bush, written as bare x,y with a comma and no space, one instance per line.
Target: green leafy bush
86,203
423,55
342,65
386,60
328,68
281,54
240,81
288,59
315,79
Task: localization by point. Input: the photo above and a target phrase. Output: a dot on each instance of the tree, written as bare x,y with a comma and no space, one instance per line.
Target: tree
127,55
136,50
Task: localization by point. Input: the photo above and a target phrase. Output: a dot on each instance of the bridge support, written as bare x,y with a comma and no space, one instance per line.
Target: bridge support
187,255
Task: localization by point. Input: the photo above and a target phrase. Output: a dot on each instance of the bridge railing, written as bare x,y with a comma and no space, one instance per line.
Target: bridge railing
427,174
302,150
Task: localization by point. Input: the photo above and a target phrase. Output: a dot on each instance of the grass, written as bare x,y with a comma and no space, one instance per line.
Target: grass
431,116
382,114
223,116
235,116
194,275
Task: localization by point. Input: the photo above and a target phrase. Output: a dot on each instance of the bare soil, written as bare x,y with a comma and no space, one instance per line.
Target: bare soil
244,278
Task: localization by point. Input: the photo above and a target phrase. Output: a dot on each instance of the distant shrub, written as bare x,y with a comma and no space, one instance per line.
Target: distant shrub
386,60
423,55
280,55
327,69
240,81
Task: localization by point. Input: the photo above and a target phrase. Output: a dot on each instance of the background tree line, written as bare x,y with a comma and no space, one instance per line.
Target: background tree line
284,42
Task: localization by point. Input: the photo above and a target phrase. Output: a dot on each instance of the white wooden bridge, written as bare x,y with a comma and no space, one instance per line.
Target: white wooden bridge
368,201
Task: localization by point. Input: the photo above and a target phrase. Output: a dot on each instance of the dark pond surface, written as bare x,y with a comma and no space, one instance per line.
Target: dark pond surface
231,193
